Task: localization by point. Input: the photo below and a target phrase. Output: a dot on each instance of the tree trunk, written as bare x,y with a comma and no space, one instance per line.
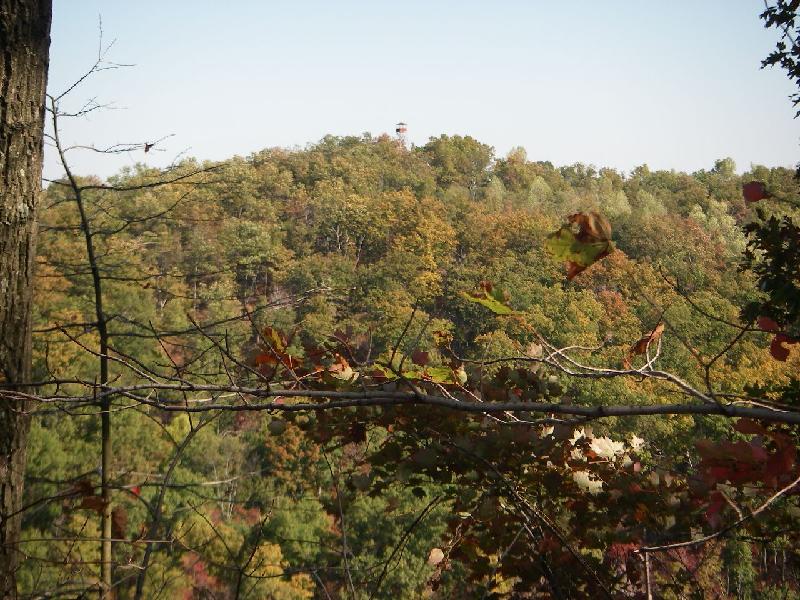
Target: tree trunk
24,47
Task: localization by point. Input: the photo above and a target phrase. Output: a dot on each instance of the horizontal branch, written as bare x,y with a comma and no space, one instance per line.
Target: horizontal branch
369,398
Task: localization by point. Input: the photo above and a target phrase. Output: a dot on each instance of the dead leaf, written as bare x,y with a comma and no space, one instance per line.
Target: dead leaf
419,357
592,227
95,503
534,350
435,557
640,347
119,522
83,488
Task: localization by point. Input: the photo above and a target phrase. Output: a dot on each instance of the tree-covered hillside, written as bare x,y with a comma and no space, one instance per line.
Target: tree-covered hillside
354,265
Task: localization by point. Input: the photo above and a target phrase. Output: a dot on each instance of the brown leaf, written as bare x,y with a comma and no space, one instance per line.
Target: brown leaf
592,226
83,487
357,433
392,504
419,357
640,347
574,269
95,503
119,522
266,359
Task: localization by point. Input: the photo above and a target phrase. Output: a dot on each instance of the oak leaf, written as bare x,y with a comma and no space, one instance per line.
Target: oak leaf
582,248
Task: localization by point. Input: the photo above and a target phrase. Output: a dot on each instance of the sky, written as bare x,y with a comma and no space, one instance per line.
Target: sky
617,83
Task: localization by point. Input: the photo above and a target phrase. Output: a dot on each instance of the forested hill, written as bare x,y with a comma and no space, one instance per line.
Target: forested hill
358,234
382,229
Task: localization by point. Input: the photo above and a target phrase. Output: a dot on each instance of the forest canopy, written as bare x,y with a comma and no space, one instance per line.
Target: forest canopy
359,261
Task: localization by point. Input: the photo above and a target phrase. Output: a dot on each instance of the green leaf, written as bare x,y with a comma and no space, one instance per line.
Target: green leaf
492,298
565,245
440,375
275,339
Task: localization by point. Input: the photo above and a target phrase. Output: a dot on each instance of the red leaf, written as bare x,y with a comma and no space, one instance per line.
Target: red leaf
548,544
781,462
744,452
719,474
714,507
755,191
749,426
707,449
759,454
777,348
136,490
768,324
266,359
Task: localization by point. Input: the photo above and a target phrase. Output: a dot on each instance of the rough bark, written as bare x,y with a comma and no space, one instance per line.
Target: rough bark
24,49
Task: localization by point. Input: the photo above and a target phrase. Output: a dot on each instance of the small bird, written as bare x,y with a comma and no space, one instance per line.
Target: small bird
147,147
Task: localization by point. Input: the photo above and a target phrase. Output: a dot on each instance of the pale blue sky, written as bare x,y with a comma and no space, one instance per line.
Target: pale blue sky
614,83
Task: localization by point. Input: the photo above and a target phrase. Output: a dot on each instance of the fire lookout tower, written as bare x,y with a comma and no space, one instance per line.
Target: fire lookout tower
400,130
